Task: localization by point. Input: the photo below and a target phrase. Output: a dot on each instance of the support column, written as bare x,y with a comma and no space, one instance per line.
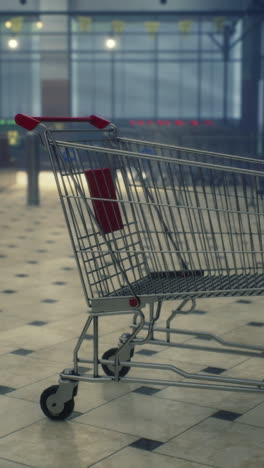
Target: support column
54,63
251,65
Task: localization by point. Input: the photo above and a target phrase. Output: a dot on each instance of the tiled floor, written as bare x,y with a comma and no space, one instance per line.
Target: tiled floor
42,312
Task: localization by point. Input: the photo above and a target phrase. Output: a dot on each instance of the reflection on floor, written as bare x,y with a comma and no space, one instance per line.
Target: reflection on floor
42,311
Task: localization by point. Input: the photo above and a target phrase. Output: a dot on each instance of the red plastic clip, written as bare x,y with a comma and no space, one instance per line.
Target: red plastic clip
133,302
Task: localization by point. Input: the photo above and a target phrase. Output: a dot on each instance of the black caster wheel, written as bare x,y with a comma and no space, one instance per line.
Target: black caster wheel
51,410
109,369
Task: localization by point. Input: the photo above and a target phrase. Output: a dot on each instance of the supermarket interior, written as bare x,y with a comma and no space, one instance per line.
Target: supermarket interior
131,227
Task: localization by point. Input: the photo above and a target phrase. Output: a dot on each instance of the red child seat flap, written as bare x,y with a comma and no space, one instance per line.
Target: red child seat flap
107,213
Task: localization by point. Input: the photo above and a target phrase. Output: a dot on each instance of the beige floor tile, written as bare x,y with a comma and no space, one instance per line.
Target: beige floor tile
205,358
9,322
70,326
10,464
32,337
207,323
161,374
131,457
17,371
247,335
48,445
174,409
219,443
15,415
41,311
251,368
90,395
146,416
61,353
254,417
230,401
6,348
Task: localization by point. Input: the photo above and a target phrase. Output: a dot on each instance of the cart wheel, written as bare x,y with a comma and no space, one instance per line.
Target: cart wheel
51,410
109,369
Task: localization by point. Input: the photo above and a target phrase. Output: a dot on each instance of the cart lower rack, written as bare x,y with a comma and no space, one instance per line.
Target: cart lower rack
151,223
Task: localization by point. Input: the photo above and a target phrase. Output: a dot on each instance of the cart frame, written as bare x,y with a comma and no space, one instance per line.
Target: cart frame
58,403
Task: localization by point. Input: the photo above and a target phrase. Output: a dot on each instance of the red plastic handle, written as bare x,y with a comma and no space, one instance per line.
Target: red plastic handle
29,123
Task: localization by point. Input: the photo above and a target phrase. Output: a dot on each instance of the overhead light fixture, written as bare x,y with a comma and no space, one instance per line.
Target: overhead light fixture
13,43
8,24
110,43
39,24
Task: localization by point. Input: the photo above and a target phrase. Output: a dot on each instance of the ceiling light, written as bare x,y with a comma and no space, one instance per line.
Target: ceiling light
110,43
8,24
12,43
39,24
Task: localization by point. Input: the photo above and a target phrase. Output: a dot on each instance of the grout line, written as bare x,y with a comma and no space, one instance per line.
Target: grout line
108,456
250,425
33,383
186,459
186,430
73,421
17,463
154,452
138,436
258,404
185,402
106,402
22,428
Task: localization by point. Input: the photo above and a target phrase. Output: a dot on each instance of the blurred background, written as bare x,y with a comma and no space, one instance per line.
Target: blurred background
187,72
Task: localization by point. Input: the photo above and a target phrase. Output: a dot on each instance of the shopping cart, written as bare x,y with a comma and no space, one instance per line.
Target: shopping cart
149,223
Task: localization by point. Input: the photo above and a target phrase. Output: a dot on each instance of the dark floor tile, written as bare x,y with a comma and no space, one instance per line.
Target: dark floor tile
226,415
11,246
256,324
32,262
21,275
38,323
146,444
9,291
67,268
22,352
213,370
59,283
3,256
74,415
146,390
4,390
49,301
41,251
146,352
50,242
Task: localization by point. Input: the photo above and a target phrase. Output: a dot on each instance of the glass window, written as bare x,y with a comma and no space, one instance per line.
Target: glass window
135,90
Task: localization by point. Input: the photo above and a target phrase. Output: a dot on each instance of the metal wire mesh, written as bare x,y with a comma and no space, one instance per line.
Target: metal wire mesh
192,221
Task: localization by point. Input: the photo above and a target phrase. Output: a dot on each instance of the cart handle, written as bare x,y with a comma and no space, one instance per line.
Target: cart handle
29,123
